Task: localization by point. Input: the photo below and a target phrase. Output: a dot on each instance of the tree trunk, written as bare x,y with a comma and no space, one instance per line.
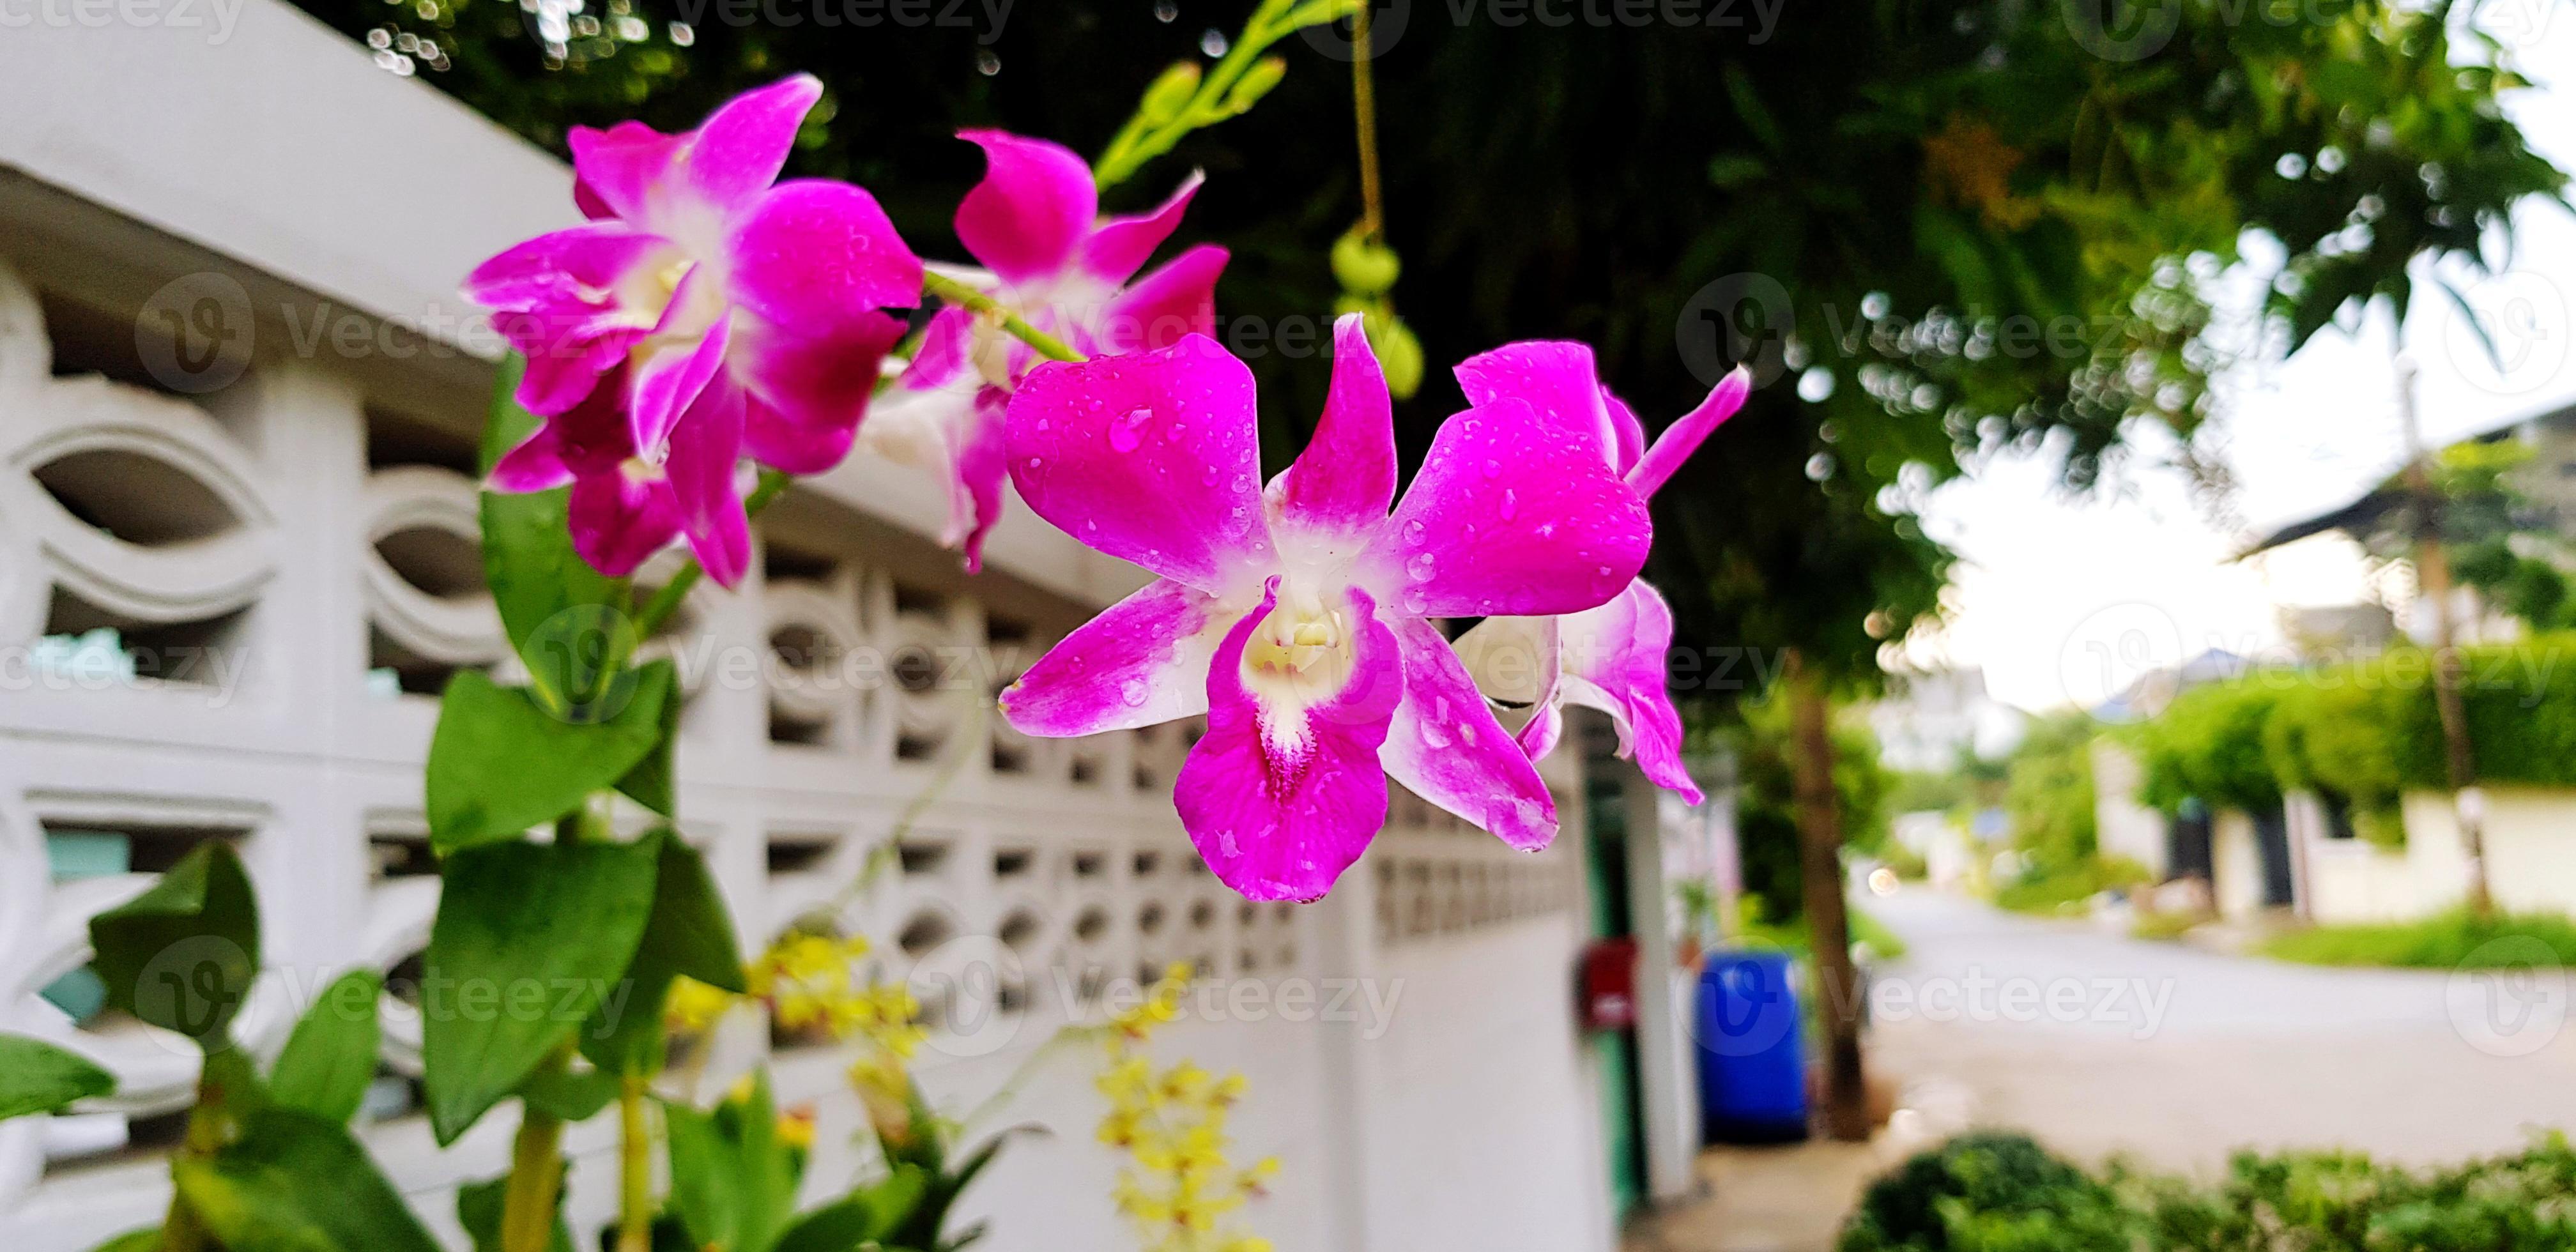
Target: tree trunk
2433,582
1820,870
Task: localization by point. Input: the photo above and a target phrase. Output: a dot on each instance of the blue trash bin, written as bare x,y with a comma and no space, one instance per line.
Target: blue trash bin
1752,1061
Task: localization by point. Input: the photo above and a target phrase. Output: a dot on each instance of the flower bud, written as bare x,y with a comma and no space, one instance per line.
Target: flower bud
1256,83
1170,93
1399,354
1364,267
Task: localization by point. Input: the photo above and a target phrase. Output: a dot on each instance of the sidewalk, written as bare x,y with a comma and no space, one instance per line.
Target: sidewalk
1793,1197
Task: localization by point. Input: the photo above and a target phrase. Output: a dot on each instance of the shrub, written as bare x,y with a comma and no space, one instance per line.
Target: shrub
1989,1192
2208,744
1993,1192
2345,1202
2045,890
2448,940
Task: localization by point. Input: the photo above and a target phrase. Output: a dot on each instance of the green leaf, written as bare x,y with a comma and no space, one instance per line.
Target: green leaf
331,1057
529,940
144,1240
867,1215
499,764
574,1097
295,1182
689,933
478,1210
182,956
733,1180
37,1077
654,781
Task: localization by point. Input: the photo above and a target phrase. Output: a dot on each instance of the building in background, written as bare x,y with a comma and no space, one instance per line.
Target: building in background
1929,721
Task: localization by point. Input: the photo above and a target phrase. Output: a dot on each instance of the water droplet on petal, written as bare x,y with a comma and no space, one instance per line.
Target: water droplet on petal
1493,469
1129,431
1419,567
1433,737
1511,505
1413,532
1415,604
1133,692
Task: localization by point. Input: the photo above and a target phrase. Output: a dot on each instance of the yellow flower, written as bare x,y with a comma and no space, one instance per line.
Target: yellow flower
694,1006
796,1127
1180,1186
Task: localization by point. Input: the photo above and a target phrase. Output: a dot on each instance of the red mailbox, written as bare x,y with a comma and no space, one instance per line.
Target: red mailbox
1608,991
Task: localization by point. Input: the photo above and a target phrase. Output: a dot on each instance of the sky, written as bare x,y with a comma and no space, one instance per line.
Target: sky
2065,600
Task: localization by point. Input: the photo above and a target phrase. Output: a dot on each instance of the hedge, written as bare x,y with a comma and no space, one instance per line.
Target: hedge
2365,729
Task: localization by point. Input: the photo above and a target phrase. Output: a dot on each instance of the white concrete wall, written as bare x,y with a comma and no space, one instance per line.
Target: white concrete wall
2122,826
2530,850
2236,865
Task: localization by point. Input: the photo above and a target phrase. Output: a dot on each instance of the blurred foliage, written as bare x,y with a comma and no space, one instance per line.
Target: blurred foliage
1766,812
2041,888
1957,226
1989,1191
2208,746
2000,1192
2448,940
2501,541
2049,793
2364,731
1870,937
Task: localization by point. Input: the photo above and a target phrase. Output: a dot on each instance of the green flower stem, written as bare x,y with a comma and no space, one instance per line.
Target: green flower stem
666,600
1143,138
955,292
635,1168
536,1173
181,1230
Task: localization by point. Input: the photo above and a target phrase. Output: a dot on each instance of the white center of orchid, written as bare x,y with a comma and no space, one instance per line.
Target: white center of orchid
640,471
1303,653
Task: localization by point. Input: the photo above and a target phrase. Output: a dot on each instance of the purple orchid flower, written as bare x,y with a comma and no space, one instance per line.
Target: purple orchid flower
1609,657
695,276
1300,617
1033,221
623,508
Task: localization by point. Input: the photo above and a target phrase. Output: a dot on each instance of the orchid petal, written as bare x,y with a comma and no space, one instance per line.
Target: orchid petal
617,520
742,146
1445,746
1279,801
1630,434
981,470
1557,379
1033,208
668,381
1683,437
1507,516
946,350
1152,458
809,392
1344,480
535,465
1614,662
563,372
1119,246
1142,662
1177,299
819,256
572,266
618,169
704,447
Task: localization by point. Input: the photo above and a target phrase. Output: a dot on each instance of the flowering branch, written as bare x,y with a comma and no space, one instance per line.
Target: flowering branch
1184,100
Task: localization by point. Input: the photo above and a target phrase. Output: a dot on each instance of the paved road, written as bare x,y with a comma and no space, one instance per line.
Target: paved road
2100,1044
